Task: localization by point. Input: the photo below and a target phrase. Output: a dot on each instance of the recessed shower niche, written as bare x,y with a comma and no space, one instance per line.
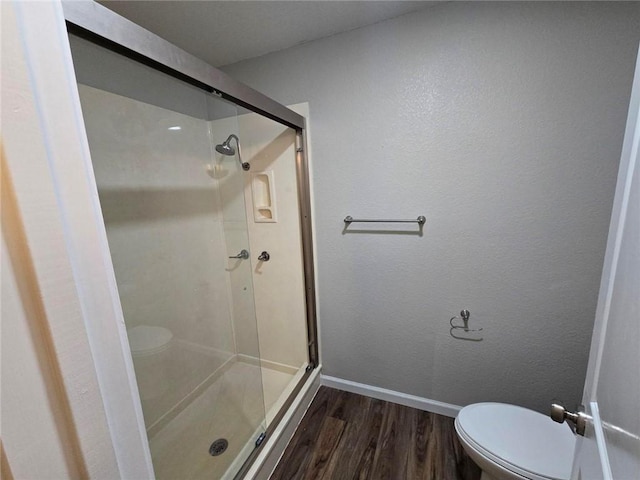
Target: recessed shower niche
186,183
263,197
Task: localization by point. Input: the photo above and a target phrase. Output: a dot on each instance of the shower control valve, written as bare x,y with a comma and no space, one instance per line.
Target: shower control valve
242,255
264,256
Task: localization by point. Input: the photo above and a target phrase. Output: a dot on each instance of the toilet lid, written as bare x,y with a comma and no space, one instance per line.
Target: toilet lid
519,439
148,339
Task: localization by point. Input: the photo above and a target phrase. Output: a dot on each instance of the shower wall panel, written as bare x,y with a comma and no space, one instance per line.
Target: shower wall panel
230,178
278,283
162,214
157,200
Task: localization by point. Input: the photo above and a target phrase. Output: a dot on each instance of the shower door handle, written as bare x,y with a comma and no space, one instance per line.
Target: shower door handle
243,255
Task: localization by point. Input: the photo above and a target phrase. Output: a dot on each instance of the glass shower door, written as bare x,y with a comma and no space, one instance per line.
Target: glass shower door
271,194
175,219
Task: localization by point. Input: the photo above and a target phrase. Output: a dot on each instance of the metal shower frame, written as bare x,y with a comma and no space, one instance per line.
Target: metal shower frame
104,27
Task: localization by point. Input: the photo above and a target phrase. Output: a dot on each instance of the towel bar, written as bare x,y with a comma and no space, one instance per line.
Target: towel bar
348,219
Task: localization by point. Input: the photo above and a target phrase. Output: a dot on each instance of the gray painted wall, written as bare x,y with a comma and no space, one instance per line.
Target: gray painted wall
503,125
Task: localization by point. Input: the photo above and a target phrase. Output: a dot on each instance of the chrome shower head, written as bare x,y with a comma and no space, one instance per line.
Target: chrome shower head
225,148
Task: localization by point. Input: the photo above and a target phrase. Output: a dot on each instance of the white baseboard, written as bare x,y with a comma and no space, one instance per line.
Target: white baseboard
413,401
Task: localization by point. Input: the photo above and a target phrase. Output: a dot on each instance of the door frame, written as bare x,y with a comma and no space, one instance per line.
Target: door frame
68,175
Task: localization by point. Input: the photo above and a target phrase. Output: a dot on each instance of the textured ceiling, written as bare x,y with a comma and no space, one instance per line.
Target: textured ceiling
225,32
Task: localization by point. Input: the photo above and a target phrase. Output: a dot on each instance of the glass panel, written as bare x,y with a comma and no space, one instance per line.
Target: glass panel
273,213
174,213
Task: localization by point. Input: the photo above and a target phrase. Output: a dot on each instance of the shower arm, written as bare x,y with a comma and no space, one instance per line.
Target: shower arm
245,165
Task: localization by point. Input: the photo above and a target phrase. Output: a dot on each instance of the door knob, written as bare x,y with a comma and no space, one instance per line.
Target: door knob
264,257
577,421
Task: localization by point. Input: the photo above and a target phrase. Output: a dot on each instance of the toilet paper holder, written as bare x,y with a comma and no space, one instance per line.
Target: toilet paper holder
464,327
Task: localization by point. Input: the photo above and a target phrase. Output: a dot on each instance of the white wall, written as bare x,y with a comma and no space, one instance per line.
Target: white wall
502,123
53,421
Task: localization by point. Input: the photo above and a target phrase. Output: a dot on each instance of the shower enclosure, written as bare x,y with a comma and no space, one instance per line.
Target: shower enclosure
203,188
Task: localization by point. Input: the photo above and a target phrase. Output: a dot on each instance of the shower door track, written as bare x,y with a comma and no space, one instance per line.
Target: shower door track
94,22
104,27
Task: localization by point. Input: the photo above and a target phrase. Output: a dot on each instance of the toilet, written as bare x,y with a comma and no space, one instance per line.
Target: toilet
513,443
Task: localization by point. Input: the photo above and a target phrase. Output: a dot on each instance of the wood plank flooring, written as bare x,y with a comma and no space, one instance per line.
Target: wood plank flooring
348,436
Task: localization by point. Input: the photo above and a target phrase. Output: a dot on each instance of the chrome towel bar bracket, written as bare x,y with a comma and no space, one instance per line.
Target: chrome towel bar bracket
349,219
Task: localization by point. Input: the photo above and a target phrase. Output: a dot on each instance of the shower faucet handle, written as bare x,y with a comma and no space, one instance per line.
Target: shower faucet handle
244,254
264,256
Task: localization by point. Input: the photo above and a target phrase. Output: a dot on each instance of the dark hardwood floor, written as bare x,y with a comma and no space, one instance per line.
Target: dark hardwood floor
349,436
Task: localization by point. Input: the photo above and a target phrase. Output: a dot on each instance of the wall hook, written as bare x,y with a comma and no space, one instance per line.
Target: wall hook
464,327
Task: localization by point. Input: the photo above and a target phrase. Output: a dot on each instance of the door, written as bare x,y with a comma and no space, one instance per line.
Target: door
273,214
610,448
